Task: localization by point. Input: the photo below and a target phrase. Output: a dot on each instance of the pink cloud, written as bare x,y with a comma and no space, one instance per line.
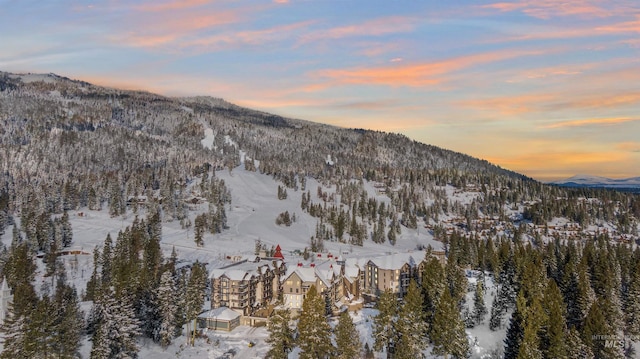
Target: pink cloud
375,27
156,29
249,37
632,26
171,5
545,9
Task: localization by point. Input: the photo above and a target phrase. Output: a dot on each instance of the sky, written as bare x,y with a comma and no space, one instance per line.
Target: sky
546,88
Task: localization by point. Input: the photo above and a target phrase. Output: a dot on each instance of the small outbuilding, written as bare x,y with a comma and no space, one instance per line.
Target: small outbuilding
221,318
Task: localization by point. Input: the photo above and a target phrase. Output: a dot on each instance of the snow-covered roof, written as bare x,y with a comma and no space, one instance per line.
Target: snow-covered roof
351,272
398,260
221,313
306,274
241,270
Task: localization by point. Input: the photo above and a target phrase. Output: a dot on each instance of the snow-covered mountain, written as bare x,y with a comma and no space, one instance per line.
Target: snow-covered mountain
600,182
220,182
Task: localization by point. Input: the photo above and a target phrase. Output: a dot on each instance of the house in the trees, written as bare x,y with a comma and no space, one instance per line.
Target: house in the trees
246,286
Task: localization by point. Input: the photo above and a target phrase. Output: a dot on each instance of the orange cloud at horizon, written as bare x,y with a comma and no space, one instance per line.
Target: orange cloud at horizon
629,146
563,164
544,102
420,74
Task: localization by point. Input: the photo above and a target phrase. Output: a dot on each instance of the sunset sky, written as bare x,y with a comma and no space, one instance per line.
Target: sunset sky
546,88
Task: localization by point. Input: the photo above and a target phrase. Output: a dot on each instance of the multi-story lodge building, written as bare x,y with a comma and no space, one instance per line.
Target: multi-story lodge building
326,277
255,283
392,272
246,286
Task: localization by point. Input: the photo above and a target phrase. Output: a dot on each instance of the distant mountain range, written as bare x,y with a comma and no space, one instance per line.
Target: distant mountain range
624,184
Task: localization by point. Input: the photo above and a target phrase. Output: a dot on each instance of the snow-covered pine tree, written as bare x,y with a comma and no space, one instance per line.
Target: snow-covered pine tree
194,296
347,338
384,335
456,280
598,334
515,332
106,259
554,331
280,334
67,232
632,304
14,332
200,224
167,304
533,321
479,308
576,349
94,282
315,332
410,326
447,331
68,321
116,327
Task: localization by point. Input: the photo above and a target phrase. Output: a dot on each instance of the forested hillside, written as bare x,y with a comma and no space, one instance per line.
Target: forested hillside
70,146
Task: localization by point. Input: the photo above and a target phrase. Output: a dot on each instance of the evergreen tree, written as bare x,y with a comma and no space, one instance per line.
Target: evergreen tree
632,304
68,322
576,349
497,314
515,333
116,327
534,318
280,335
194,296
597,333
14,330
93,284
384,335
168,309
479,308
20,272
67,232
410,326
554,338
199,227
447,331
433,284
107,258
347,338
456,280
315,332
